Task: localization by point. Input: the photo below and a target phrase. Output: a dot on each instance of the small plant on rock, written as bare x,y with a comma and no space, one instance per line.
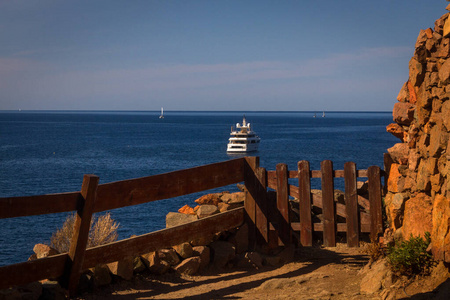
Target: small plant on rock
411,257
103,231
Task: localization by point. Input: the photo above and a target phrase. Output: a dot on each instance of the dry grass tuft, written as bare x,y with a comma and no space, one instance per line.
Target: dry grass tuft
376,250
103,231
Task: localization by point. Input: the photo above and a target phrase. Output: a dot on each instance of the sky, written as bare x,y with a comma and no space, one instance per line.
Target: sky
304,55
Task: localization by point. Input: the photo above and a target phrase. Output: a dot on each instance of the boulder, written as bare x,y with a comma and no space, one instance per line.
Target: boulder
184,250
395,206
52,290
187,210
169,255
204,253
399,153
30,291
446,115
223,252
174,219
417,218
212,199
138,265
189,266
42,250
412,93
154,264
235,198
101,275
373,279
396,181
413,160
207,210
403,95
446,29
123,268
403,113
440,240
423,182
397,131
240,239
416,71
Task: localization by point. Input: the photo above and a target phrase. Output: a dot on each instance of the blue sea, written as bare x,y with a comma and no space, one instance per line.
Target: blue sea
44,152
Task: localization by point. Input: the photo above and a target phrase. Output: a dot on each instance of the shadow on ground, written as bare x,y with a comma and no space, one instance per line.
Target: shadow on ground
226,283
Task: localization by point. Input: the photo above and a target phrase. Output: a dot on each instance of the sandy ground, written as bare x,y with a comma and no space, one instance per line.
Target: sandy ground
315,273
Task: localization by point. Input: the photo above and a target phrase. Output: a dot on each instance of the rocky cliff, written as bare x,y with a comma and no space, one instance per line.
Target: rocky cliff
418,197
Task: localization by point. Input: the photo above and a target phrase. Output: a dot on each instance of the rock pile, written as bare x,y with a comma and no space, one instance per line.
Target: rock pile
418,198
208,205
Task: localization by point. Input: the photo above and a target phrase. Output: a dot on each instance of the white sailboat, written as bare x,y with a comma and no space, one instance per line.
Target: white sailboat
162,114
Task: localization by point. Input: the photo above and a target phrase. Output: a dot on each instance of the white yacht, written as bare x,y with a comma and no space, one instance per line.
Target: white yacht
242,139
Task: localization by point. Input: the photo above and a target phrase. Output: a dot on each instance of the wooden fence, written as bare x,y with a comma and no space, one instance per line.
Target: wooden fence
271,217
269,221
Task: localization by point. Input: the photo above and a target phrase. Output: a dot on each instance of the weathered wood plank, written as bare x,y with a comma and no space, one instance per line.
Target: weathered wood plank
283,204
262,223
80,233
141,190
340,227
272,177
164,238
12,207
351,204
130,192
251,164
329,232
375,201
304,183
30,271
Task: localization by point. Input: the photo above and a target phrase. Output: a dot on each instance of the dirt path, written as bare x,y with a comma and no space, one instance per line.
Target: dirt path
316,273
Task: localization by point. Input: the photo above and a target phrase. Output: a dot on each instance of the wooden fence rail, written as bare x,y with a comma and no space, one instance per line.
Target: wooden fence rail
269,218
94,198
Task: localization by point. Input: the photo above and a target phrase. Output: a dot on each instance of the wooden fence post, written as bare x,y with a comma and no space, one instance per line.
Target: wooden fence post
261,208
304,183
81,233
351,204
284,225
252,163
329,219
376,224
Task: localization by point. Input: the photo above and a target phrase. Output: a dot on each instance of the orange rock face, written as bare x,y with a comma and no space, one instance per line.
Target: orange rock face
417,218
440,237
419,168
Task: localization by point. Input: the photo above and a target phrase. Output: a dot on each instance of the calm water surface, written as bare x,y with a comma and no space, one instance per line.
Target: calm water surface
48,152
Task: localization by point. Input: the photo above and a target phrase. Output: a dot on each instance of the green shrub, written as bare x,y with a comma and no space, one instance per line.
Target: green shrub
103,231
410,257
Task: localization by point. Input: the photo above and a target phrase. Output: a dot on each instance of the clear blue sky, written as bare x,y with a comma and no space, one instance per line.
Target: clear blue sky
208,55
